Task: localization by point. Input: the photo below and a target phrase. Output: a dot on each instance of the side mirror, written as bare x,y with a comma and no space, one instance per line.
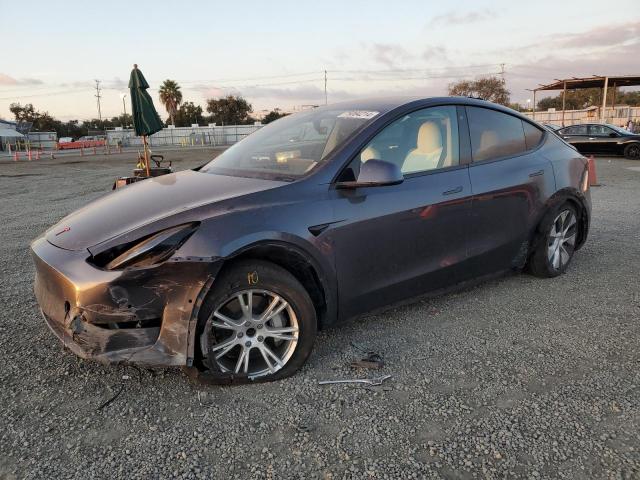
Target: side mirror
375,173
613,134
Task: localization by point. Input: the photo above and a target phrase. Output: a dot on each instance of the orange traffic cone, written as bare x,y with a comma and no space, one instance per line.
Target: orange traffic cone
593,177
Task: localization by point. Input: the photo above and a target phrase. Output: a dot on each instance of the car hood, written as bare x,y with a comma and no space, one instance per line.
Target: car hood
145,202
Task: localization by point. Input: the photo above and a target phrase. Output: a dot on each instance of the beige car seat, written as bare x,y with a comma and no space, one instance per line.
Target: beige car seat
369,153
426,155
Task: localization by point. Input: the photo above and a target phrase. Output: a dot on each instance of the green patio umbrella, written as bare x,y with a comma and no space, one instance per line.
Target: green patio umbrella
146,120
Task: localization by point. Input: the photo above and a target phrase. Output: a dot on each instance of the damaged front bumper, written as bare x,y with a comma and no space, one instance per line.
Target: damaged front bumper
145,316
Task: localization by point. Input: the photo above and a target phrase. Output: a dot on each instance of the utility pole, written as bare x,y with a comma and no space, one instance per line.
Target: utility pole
325,87
98,97
502,72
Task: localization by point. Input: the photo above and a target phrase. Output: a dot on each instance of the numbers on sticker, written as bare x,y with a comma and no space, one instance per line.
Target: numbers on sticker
252,278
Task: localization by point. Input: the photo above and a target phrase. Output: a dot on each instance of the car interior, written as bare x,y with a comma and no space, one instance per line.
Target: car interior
421,141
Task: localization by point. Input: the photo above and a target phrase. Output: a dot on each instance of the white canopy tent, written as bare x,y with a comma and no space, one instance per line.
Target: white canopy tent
9,132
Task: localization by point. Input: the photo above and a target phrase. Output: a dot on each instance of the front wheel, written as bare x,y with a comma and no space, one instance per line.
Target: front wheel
257,324
556,242
632,151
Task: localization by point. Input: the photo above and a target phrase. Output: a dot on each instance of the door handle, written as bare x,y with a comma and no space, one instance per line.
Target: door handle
592,138
537,174
453,190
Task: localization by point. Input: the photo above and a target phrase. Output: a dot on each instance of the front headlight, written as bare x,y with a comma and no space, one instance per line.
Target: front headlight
146,251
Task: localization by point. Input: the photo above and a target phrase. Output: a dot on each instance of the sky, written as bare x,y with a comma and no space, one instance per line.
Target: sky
275,52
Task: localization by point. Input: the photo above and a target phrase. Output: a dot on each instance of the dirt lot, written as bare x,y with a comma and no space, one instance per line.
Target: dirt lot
518,377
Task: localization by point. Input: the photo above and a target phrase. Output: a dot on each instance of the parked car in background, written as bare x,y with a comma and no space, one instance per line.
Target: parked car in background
602,139
65,140
231,268
551,126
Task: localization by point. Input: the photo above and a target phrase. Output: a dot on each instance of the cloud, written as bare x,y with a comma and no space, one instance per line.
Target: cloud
435,53
608,35
81,84
117,83
388,54
598,40
455,18
7,80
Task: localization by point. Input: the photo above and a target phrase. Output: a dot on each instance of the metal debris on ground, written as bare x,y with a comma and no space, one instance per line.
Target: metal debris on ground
112,399
366,381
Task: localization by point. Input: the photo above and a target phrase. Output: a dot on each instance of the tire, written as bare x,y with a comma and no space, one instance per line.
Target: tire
632,151
250,348
553,249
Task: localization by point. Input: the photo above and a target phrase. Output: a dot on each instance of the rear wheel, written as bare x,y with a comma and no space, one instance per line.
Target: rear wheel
632,151
556,242
257,324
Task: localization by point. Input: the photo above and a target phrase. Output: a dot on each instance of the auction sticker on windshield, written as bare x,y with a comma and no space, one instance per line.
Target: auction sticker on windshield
364,114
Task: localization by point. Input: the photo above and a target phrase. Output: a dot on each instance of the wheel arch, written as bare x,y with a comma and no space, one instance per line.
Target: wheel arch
578,201
627,145
302,265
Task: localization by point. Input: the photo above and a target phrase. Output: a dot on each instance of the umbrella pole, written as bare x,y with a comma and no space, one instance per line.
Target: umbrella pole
146,155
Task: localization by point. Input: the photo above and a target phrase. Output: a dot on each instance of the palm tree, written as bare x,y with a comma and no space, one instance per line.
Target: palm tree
171,97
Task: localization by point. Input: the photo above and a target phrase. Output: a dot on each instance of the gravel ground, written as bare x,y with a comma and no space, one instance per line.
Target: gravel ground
518,377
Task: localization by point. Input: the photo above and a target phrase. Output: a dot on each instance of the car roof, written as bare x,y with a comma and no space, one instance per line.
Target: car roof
593,123
386,104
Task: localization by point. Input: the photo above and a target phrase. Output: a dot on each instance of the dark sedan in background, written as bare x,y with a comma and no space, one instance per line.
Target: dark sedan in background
231,268
601,138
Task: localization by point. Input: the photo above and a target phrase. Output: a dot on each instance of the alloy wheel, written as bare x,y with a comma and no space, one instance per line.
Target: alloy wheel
562,239
252,332
633,151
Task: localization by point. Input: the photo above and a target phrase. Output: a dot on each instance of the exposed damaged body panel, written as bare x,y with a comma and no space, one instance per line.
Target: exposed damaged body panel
141,316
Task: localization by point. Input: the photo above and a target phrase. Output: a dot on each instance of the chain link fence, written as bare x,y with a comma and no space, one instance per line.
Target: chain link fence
183,136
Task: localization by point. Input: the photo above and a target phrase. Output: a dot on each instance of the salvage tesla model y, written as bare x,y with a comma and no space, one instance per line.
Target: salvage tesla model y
231,268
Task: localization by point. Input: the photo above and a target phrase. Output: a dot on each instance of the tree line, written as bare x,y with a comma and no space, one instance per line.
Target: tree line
229,110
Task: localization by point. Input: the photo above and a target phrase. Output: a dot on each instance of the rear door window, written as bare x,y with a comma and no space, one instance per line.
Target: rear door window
494,134
574,130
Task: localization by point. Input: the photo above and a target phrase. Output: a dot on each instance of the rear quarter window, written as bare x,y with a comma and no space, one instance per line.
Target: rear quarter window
494,134
532,135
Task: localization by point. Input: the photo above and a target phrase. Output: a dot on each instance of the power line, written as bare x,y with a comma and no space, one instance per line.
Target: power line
402,79
249,79
61,92
440,73
413,70
249,85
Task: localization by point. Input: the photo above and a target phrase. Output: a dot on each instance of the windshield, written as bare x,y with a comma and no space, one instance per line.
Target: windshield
290,147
